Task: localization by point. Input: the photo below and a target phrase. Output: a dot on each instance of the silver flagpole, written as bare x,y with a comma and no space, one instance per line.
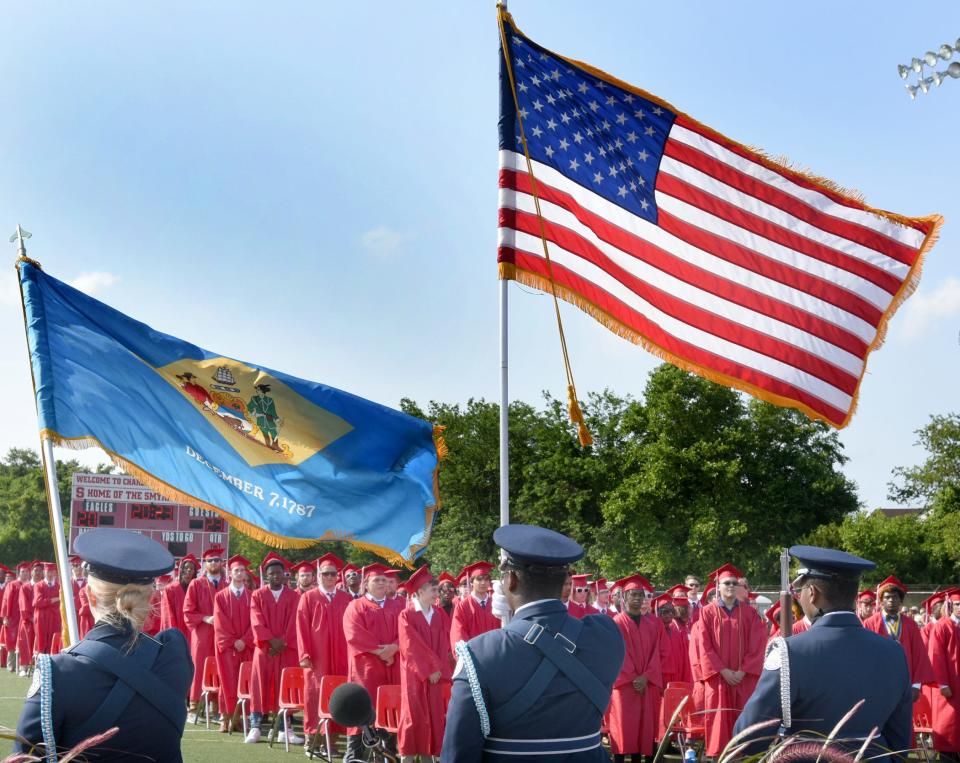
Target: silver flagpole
53,494
504,400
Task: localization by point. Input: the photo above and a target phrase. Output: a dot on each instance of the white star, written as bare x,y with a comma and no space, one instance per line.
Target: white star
657,110
588,158
641,181
631,137
628,98
550,99
568,91
569,71
643,155
633,186
537,132
561,94
551,124
606,125
555,74
582,87
535,80
639,114
564,118
649,131
537,105
622,192
522,87
594,106
602,151
611,100
629,162
523,113
564,144
589,132
644,204
543,56
622,119
601,84
575,113
574,164
619,143
520,63
623,166
577,138
518,40
597,178
549,152
612,171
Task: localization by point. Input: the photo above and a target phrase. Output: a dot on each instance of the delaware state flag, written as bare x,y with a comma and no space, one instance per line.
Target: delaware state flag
286,460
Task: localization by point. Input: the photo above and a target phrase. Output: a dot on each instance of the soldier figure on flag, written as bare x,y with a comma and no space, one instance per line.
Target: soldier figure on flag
264,410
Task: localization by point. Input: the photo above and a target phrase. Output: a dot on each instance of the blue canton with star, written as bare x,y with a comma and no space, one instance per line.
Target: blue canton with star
599,135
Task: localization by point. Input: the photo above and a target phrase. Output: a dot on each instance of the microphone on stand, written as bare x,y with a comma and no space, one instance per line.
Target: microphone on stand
350,705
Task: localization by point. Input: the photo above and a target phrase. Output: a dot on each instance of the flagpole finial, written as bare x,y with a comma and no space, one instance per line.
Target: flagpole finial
19,237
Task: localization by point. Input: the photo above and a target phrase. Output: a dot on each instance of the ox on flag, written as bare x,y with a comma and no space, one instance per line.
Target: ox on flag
707,253
286,460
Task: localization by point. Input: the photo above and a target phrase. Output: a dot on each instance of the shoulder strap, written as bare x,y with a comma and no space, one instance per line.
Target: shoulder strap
782,658
559,656
131,671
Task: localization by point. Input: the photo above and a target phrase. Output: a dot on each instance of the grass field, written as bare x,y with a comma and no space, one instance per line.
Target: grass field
199,745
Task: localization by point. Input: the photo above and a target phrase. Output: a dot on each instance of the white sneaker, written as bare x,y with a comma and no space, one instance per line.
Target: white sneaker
23,673
293,738
253,736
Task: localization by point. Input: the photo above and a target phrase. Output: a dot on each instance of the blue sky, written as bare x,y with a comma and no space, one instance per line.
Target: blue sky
312,186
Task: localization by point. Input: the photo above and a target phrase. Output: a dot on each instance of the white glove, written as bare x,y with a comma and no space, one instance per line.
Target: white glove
499,606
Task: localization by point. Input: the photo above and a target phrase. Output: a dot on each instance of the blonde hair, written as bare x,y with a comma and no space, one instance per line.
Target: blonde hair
119,604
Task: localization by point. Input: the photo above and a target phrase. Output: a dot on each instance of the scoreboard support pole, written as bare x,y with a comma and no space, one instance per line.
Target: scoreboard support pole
67,607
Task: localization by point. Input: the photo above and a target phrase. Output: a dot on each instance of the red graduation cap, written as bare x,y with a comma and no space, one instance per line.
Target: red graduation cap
37,563
164,579
307,565
390,573
931,601
214,552
329,559
726,569
891,583
581,581
254,578
237,559
866,594
49,567
24,566
705,596
773,614
373,569
634,582
477,568
418,579
600,584
274,558
952,594
190,558
678,593
659,601
446,577
75,560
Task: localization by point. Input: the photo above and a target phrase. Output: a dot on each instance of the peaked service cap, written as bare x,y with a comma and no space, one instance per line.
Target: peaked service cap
122,556
816,562
529,544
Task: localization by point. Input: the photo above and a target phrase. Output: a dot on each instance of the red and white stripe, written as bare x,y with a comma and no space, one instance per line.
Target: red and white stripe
751,274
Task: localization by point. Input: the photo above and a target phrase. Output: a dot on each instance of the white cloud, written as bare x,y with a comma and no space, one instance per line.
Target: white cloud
929,307
94,282
383,241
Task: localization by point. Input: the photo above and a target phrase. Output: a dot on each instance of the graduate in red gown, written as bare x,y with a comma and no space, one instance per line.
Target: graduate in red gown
198,616
889,622
370,627
25,634
152,625
352,581
84,613
866,603
730,640
232,635
321,645
472,615
676,666
46,612
273,618
10,609
933,608
173,596
944,644
632,716
578,606
426,665
448,593
7,576
306,576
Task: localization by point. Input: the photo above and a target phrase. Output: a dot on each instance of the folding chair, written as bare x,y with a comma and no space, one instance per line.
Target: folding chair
291,701
688,728
923,725
388,708
244,696
210,687
327,685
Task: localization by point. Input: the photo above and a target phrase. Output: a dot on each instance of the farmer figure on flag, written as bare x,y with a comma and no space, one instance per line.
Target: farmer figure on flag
264,409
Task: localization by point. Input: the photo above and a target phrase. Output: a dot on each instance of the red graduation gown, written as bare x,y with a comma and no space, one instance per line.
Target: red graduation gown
632,716
151,626
25,631
736,640
10,612
676,664
912,642
198,604
271,619
580,611
470,619
320,639
231,623
945,658
171,609
46,617
85,619
366,627
424,649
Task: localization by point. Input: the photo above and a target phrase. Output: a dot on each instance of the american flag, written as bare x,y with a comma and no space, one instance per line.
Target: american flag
707,253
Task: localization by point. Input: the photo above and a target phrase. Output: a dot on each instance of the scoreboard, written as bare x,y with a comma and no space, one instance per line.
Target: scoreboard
118,500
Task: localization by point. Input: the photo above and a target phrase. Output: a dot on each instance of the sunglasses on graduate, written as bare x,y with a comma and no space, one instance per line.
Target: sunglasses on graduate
329,574
581,590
